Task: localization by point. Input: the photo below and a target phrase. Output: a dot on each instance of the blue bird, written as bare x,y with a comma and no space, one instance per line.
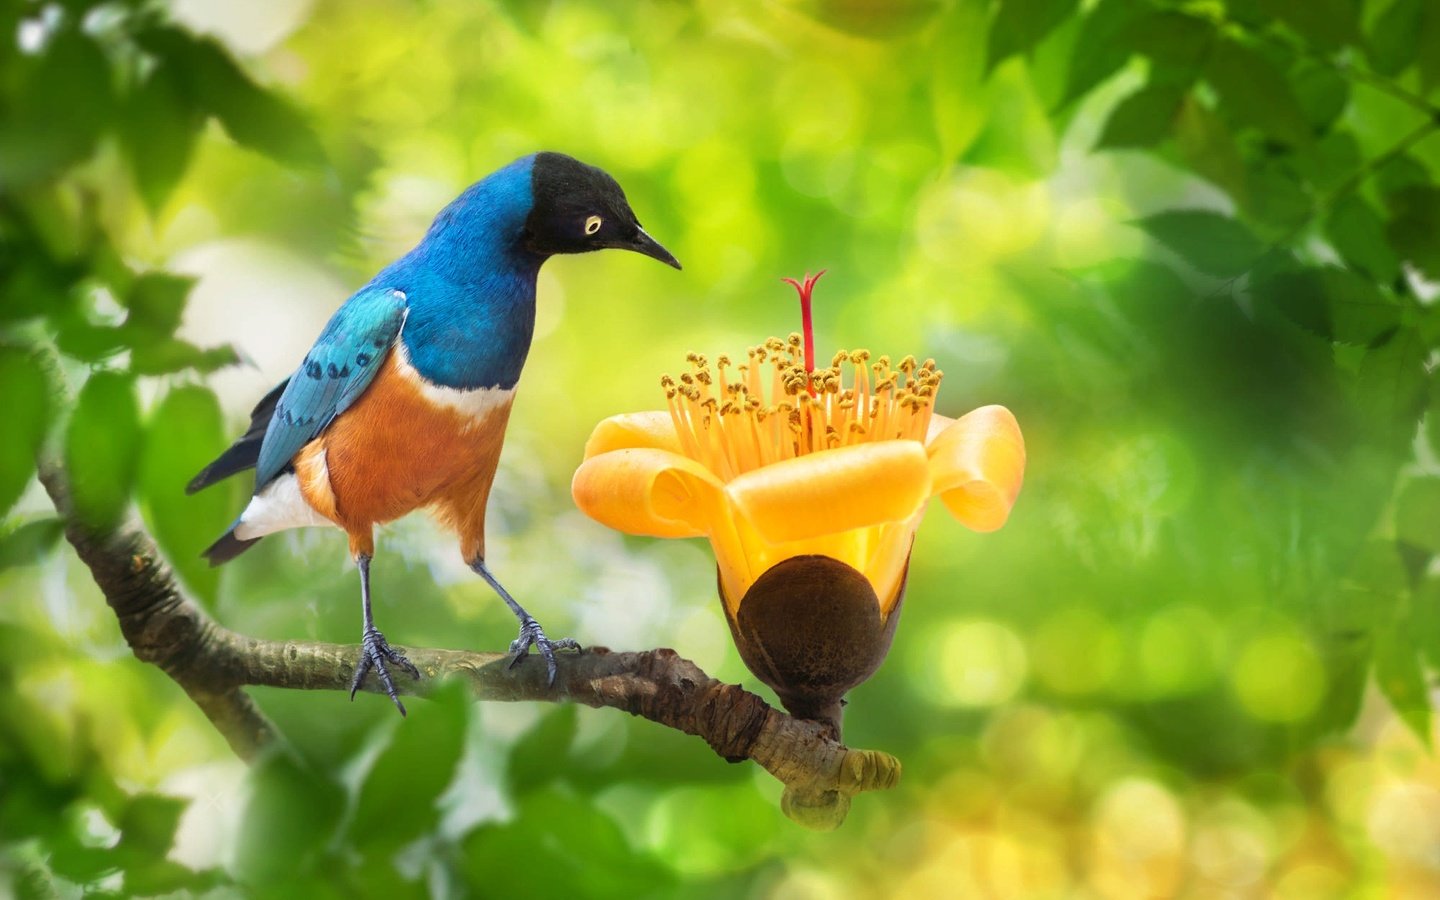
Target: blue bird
402,402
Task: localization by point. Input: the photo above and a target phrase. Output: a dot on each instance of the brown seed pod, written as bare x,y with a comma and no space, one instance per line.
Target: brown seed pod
810,628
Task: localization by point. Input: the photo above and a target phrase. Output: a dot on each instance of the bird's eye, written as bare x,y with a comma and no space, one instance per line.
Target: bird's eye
592,224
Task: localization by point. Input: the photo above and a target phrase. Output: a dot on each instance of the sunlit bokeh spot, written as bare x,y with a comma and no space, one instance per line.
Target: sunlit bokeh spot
980,214
977,663
1138,841
1278,677
1178,650
1075,651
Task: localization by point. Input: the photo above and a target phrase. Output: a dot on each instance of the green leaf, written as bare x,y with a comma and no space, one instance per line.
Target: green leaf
579,849
958,99
1323,93
62,104
1329,162
157,133
1142,119
398,800
1328,24
1357,233
1104,45
148,825
174,355
1391,392
868,20
1394,41
252,116
1334,303
156,302
1417,513
102,445
1401,678
1274,195
27,417
1214,244
185,432
537,758
28,544
289,822
1414,228
1429,49
1176,45
1206,145
1021,24
1253,93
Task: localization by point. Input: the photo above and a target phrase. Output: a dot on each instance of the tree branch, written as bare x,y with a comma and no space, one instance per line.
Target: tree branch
212,664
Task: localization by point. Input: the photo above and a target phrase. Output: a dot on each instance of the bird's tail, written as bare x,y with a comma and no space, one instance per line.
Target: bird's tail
245,452
228,547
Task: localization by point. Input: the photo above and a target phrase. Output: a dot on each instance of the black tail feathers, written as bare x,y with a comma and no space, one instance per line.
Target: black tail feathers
228,547
245,452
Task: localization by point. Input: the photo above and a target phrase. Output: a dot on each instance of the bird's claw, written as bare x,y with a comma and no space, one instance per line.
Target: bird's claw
532,635
375,653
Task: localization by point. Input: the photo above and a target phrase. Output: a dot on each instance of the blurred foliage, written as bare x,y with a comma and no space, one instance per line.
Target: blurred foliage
1195,246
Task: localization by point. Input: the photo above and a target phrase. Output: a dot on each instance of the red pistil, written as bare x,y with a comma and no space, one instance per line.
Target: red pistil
805,290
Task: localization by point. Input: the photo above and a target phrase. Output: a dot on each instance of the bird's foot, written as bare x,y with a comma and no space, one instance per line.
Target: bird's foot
532,635
375,652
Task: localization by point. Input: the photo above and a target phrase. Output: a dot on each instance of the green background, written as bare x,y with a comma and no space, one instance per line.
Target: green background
1195,247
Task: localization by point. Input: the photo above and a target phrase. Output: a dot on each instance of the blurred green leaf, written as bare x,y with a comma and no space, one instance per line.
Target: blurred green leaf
157,132
1397,176
289,822
1176,44
397,802
1401,677
28,544
1214,244
1329,162
958,102
185,432
1104,45
1206,145
1254,93
102,446
562,842
1020,24
27,418
1142,119
1428,52
61,103
174,355
869,19
252,116
1414,228
1417,513
1322,91
1328,24
538,758
156,302
1274,195
1334,303
1357,233
147,828
1394,39
1392,391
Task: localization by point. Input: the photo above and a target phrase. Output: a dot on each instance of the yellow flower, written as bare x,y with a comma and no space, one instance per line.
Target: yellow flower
775,460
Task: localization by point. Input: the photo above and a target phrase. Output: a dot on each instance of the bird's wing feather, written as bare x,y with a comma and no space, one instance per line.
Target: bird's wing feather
336,371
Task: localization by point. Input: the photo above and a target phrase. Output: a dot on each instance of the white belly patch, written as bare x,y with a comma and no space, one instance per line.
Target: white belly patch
475,405
278,507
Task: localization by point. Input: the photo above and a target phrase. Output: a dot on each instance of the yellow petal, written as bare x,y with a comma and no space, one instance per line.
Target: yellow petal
834,490
653,429
648,491
977,465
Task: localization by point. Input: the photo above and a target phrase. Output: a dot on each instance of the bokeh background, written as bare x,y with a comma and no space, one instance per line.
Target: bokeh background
1194,246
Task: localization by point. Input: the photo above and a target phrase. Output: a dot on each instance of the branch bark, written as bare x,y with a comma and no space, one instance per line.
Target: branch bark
213,664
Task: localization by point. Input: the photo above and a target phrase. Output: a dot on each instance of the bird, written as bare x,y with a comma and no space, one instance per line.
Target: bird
403,400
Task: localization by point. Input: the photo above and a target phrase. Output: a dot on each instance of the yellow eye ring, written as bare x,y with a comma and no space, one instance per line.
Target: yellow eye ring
592,224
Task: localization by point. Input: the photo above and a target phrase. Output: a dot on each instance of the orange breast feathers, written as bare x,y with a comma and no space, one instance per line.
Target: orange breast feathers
408,444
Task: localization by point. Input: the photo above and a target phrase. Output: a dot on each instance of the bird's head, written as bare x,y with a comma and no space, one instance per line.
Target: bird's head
579,208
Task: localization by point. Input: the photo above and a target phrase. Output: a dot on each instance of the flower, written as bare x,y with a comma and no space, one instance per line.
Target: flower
796,475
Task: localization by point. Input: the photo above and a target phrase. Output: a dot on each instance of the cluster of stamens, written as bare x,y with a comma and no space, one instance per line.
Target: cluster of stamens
733,419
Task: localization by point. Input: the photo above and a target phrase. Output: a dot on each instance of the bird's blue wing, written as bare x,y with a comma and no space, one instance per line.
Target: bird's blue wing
334,374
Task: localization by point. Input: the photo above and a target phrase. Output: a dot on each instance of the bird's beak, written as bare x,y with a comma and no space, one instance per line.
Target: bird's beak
644,243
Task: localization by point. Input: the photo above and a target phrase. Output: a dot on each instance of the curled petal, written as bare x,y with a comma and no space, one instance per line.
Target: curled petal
654,429
649,491
834,490
977,465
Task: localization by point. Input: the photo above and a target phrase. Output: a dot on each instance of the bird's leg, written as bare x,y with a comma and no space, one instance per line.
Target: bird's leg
375,651
531,634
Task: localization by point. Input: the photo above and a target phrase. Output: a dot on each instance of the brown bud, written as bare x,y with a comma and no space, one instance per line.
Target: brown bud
810,628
